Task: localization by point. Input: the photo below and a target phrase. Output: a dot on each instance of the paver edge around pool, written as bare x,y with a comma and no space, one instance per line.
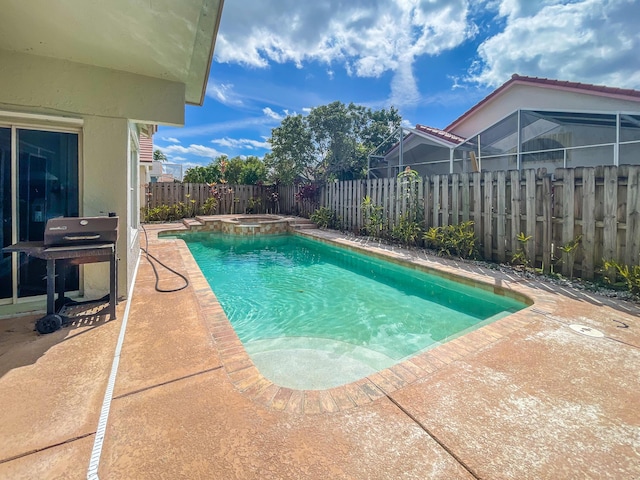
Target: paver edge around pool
247,379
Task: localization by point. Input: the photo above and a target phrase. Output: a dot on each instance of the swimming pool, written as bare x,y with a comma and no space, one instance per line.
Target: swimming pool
314,316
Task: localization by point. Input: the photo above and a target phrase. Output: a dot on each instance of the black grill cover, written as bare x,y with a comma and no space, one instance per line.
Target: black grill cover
67,231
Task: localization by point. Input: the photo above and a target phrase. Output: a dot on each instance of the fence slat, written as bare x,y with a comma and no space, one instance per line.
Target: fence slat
632,250
530,208
501,217
568,220
426,199
466,206
477,204
588,221
444,200
436,201
455,199
488,215
610,228
516,191
547,223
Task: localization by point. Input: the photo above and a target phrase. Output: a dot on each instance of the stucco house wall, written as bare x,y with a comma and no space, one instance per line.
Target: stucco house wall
104,104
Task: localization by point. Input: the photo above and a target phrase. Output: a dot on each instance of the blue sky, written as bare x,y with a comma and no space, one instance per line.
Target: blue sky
431,59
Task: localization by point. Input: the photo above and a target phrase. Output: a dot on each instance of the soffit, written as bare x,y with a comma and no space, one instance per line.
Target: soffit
166,39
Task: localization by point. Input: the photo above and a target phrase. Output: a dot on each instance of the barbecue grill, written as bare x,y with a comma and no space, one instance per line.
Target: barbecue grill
72,241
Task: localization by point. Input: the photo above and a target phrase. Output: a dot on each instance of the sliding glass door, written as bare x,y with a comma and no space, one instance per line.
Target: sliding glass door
45,164
6,277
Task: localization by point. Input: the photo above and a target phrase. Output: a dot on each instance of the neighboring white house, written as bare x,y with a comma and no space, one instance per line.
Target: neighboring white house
165,172
528,122
80,82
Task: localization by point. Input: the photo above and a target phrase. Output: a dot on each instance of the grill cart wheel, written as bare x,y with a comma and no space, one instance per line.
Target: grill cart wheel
49,323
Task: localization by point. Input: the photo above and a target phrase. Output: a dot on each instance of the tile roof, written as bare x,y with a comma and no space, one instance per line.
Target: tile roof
441,134
516,79
146,148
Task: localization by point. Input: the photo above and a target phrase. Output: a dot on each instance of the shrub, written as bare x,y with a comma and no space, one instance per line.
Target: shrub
373,218
569,249
521,257
177,211
325,218
407,231
630,275
453,240
209,207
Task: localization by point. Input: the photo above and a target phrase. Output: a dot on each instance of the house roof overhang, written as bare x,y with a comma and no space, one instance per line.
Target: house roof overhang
165,39
560,85
429,135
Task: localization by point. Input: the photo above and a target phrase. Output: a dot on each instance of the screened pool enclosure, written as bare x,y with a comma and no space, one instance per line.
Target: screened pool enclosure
525,139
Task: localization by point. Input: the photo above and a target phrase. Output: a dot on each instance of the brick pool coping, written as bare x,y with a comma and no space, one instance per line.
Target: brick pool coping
248,380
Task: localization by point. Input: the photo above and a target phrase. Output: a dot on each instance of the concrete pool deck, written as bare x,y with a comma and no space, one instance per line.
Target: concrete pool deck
524,397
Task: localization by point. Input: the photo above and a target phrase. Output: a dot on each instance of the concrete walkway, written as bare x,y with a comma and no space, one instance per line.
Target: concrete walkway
526,397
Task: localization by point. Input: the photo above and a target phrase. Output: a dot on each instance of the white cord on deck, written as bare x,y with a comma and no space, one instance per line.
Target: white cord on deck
94,462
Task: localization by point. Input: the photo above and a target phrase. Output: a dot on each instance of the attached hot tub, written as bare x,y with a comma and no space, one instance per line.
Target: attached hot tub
255,225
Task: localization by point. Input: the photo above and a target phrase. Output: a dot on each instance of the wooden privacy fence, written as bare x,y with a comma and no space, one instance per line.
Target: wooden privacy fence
599,206
232,199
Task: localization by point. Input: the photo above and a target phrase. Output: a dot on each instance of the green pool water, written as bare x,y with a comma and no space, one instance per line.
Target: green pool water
298,304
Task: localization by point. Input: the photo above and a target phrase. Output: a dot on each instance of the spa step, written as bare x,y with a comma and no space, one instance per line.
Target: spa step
303,224
191,222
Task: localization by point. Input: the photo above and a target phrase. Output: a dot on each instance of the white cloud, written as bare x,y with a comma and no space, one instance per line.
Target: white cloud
223,93
591,41
241,143
170,139
366,37
173,151
218,127
271,114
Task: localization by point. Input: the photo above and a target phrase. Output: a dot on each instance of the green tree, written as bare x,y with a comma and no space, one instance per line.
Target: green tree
158,156
332,128
291,157
247,171
332,142
253,171
204,174
233,170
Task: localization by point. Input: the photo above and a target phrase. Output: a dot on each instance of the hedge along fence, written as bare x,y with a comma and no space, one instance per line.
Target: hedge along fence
598,206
